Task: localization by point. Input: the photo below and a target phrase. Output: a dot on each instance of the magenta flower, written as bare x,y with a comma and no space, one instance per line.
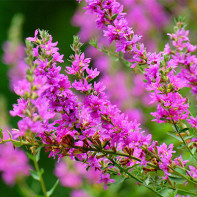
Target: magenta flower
81,85
33,39
193,121
105,178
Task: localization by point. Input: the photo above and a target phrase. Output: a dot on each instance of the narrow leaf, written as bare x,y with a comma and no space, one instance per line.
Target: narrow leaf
41,171
178,138
34,175
120,180
177,180
38,153
184,130
18,144
50,192
191,143
176,128
30,156
188,137
114,16
193,150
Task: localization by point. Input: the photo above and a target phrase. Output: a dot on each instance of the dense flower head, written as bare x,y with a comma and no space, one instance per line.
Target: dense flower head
184,58
165,154
111,19
193,171
106,180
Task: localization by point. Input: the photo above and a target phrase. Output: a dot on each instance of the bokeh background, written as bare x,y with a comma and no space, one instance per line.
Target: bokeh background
55,16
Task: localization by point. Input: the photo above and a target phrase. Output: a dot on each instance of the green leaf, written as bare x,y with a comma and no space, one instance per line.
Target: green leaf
188,137
166,192
50,192
147,181
30,156
163,119
184,130
1,133
41,171
191,143
193,150
93,42
87,168
120,180
114,16
176,128
77,159
178,138
128,64
177,179
38,153
34,175
18,144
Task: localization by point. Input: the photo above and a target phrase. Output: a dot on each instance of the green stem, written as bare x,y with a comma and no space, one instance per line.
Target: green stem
132,157
126,155
182,175
40,174
181,190
177,130
134,177
15,141
109,53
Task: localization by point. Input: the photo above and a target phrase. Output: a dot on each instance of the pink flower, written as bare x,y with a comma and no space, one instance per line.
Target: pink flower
82,85
106,180
192,121
33,39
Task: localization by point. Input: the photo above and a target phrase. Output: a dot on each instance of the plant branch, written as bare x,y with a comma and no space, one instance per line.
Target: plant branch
39,174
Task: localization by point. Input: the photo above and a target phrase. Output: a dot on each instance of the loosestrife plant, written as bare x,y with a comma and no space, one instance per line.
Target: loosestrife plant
75,119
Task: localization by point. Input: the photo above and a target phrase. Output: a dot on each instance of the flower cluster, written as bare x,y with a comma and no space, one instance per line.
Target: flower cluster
76,119
114,77
88,129
160,74
111,19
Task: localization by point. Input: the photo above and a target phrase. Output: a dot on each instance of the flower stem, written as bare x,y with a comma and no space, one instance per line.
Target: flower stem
39,173
134,177
181,190
177,130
